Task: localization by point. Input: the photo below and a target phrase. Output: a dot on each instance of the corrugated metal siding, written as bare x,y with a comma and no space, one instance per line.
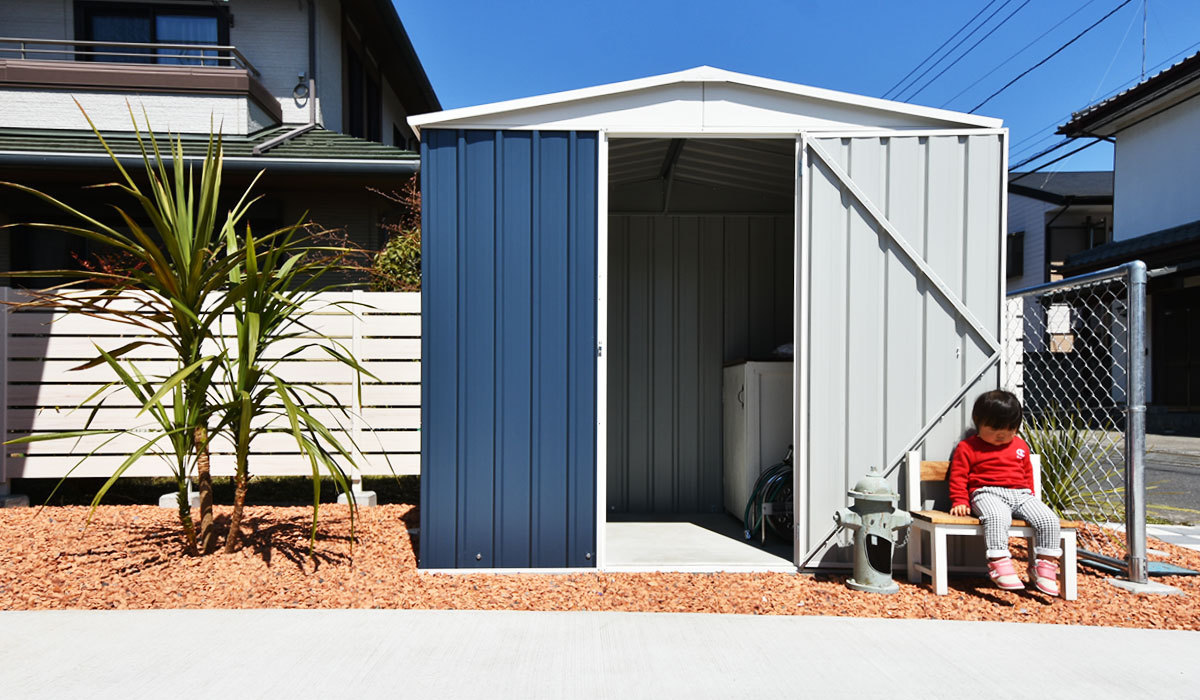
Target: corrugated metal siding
508,386
887,351
688,295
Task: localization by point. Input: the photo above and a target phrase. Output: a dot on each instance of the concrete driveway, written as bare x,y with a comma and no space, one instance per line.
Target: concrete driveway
529,655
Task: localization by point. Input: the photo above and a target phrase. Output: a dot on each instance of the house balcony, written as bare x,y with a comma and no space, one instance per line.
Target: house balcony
183,88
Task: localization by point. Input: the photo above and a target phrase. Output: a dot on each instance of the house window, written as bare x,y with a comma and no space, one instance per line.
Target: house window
1016,254
364,110
153,24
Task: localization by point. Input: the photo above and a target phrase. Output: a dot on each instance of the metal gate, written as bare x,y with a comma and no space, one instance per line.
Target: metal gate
1075,354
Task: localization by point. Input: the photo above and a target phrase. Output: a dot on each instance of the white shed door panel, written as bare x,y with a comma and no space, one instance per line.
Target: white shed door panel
904,271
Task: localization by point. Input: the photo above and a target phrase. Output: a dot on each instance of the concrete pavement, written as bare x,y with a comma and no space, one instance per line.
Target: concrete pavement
1174,444
475,654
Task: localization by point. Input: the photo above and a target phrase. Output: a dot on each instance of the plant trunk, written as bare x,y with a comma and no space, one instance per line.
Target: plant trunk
204,486
235,521
185,518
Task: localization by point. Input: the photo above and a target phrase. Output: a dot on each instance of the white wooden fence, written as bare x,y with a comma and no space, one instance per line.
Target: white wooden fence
40,395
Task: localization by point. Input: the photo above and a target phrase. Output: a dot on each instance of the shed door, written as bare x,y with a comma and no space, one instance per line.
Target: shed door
903,283
508,376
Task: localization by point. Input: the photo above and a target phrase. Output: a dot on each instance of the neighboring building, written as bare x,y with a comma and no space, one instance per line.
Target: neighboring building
314,92
1156,129
1052,216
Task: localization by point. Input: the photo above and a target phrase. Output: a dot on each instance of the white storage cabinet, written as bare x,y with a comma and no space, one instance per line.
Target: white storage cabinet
757,400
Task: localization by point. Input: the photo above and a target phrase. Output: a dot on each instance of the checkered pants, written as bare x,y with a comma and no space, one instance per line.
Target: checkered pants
995,508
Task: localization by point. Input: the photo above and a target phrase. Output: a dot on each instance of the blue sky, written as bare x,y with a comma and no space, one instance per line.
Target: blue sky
477,52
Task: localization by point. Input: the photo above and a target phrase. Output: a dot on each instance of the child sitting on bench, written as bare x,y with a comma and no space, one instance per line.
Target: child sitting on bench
992,477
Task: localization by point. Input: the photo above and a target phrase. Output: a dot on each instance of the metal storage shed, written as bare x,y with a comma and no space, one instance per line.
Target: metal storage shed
593,258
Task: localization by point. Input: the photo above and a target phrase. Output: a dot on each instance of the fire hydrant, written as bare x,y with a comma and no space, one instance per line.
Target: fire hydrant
874,520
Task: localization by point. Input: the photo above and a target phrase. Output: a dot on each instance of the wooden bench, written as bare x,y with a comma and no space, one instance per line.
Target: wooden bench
931,478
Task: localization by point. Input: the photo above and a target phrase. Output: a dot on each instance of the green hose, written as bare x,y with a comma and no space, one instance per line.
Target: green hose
772,483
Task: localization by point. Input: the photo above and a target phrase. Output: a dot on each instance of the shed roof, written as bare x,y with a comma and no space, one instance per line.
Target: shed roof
701,100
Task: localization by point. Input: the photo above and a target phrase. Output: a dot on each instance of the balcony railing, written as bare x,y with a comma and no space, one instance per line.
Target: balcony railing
126,52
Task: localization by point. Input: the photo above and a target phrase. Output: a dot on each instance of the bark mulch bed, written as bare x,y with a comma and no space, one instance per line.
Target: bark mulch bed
130,557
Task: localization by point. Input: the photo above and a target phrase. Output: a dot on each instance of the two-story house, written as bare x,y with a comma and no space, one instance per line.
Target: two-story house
1052,216
1156,129
314,92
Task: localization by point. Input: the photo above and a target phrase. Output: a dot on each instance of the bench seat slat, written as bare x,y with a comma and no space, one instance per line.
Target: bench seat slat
941,517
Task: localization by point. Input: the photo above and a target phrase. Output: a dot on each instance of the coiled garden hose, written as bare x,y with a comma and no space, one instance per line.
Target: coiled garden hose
773,485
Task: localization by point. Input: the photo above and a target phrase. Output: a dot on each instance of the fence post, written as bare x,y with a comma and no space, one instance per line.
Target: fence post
1135,425
356,427
357,319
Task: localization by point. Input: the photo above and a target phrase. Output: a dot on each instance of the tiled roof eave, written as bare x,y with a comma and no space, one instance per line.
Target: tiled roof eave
1091,119
316,146
1165,239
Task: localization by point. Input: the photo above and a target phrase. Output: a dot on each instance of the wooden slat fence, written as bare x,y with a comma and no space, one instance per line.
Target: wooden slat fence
41,395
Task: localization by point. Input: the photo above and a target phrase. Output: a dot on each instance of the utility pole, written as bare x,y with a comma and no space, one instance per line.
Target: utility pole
1145,9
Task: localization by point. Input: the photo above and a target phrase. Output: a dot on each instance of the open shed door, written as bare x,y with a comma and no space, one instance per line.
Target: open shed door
900,277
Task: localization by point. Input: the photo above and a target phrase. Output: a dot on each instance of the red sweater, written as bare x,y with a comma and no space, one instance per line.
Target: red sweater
977,463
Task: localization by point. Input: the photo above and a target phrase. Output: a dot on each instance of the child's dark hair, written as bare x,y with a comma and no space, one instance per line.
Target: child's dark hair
997,409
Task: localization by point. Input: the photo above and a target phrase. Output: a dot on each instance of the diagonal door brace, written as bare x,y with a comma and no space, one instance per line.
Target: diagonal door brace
902,244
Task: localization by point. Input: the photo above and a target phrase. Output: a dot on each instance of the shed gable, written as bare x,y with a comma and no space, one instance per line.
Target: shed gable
701,100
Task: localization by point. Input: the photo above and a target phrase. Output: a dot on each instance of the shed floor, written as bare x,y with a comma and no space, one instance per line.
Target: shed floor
698,542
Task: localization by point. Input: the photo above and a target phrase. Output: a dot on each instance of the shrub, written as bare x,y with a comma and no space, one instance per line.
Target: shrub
397,266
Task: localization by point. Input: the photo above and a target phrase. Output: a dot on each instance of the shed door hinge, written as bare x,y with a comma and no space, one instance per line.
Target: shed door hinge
600,350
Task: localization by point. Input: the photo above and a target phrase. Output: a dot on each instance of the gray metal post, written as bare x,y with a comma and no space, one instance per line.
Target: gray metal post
1135,425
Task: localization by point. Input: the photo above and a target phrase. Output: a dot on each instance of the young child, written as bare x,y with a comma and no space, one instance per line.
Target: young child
991,476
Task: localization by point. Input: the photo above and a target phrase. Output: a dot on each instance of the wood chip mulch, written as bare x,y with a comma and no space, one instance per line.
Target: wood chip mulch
130,557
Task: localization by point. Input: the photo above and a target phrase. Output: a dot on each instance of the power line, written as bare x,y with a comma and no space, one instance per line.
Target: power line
954,48
1015,153
1052,55
1045,152
1018,53
969,50
1119,88
935,51
1048,164
1113,61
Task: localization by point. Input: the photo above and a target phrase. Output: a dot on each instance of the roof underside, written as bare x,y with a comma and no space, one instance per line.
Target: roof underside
702,100
756,165
701,175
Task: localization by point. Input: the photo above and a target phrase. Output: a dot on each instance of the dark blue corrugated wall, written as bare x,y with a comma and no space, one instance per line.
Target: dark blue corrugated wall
508,349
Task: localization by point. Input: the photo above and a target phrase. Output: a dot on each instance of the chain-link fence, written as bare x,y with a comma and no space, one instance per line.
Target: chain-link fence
1074,355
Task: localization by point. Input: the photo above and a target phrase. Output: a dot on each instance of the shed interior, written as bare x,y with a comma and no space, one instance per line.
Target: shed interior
700,268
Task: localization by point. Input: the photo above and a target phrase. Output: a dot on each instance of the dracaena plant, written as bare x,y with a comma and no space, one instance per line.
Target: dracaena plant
177,271
282,275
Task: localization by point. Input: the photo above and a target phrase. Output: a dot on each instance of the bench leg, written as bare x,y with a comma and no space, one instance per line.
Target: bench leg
937,558
1067,582
914,554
